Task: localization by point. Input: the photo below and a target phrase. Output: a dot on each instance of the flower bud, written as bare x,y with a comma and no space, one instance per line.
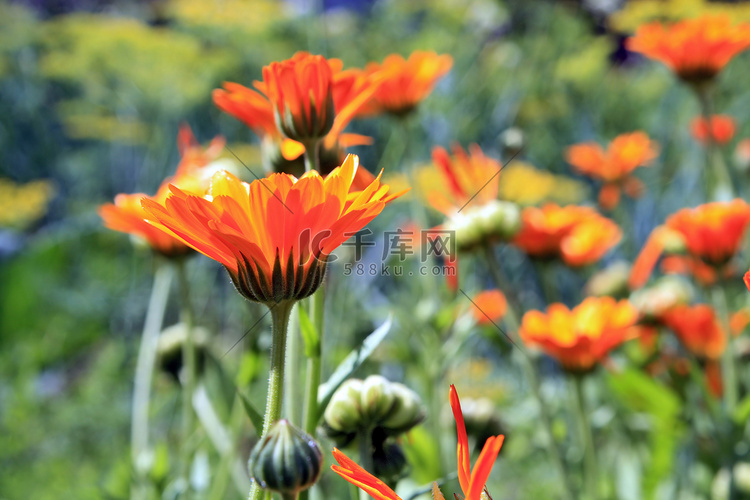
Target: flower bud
286,460
376,398
664,294
611,281
488,222
389,463
512,141
406,411
343,412
169,348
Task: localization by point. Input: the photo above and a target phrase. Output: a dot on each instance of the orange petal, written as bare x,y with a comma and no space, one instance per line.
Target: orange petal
462,449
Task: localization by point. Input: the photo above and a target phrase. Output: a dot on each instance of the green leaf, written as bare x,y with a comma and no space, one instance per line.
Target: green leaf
255,417
352,361
309,334
742,412
641,393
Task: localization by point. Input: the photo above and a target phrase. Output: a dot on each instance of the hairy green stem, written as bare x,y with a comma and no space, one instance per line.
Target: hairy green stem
364,441
144,370
312,156
280,313
590,477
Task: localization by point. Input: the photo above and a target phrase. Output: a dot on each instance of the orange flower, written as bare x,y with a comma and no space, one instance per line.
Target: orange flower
577,234
465,177
306,92
711,232
698,329
722,129
624,154
127,215
489,307
406,82
275,234
746,279
581,337
695,49
472,481
739,321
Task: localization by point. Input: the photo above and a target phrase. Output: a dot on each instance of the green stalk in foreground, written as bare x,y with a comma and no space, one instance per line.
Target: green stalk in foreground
511,319
189,370
587,441
280,313
145,369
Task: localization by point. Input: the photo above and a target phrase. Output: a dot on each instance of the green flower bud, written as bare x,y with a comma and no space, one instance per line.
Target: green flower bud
376,398
475,225
343,413
406,411
286,460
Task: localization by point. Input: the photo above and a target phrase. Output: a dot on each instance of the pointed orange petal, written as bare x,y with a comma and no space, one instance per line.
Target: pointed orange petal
352,472
646,260
483,467
462,449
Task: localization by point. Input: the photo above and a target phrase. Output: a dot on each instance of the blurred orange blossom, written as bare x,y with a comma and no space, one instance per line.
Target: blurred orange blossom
273,235
698,329
405,82
711,232
615,165
695,49
721,129
581,337
127,215
579,235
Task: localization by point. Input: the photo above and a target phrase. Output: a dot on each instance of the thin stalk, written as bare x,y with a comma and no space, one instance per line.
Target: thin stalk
293,373
189,371
280,321
728,373
144,369
364,441
289,496
317,311
587,439
529,368
312,156
720,185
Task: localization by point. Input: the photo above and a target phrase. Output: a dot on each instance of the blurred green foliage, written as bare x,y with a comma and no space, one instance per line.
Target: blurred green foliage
91,102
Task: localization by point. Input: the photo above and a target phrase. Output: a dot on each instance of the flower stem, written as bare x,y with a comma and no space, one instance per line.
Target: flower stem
317,303
189,365
364,441
312,156
587,440
728,366
145,369
280,313
720,183
527,364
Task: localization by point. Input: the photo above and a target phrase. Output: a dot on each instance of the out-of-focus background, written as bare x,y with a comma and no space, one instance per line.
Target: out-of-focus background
91,97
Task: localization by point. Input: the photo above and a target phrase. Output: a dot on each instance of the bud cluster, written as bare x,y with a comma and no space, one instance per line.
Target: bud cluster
492,221
371,403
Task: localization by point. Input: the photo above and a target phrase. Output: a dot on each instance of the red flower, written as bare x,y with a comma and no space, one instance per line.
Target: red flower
721,129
